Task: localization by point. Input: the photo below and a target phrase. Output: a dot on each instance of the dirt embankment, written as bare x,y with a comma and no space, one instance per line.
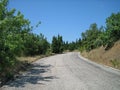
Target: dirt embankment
110,57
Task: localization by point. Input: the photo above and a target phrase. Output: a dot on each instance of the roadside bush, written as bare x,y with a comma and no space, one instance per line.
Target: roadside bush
115,63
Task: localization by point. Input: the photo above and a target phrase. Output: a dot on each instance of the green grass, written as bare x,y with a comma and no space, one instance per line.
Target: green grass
116,63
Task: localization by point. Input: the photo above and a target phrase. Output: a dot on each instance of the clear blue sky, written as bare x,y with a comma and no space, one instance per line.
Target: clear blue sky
68,18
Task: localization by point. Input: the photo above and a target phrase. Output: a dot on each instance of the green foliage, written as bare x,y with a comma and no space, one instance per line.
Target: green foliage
113,29
90,38
17,39
115,63
57,44
35,44
95,37
74,45
65,45
12,25
113,26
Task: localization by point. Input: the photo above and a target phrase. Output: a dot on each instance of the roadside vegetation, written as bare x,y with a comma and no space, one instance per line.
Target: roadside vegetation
102,44
109,57
19,46
16,40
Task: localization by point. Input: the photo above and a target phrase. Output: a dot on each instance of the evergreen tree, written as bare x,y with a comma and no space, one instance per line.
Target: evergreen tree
57,44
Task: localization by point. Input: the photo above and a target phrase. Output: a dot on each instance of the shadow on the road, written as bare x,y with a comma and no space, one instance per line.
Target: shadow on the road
33,76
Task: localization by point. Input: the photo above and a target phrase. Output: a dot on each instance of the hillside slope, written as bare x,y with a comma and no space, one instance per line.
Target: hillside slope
110,57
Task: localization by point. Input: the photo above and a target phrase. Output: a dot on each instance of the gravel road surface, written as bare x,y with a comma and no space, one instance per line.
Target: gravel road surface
67,71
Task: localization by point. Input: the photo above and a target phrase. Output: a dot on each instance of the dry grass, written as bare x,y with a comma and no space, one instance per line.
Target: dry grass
25,62
110,57
30,59
22,64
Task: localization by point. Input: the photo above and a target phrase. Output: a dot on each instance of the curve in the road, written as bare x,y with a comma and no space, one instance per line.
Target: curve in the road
68,71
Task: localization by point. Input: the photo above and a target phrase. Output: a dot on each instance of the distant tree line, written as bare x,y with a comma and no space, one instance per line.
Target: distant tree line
94,37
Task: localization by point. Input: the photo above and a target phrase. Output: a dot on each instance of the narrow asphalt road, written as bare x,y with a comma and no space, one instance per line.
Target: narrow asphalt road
66,72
